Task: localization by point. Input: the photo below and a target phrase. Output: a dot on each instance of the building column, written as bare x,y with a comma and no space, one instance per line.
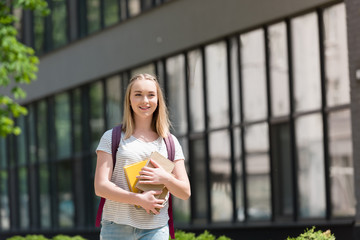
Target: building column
353,33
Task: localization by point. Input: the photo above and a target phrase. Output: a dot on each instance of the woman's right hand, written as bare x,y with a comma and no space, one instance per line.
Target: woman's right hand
150,203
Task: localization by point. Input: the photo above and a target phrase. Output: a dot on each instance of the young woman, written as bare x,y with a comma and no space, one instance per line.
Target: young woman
145,125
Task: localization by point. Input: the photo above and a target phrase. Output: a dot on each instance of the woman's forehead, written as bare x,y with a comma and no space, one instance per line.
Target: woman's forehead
143,85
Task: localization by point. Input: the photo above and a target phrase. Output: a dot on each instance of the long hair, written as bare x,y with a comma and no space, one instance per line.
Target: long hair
160,121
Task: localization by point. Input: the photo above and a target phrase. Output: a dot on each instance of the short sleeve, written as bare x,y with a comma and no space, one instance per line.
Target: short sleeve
179,154
105,142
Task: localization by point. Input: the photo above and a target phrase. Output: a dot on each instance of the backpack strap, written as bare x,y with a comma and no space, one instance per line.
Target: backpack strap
115,140
170,147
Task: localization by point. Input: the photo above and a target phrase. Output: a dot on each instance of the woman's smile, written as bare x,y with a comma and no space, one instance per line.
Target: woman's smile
143,98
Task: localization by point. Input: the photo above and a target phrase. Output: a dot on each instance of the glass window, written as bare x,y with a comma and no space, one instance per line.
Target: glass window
65,195
149,68
253,75
160,73
279,72
134,7
114,103
336,56
146,4
97,124
123,9
111,12
239,175
220,167
4,201
42,131
59,22
341,164
306,62
32,133
310,153
175,71
18,13
77,111
11,151
217,85
258,171
199,180
21,141
93,15
45,213
282,175
196,95
235,81
3,153
63,125
39,32
181,208
23,197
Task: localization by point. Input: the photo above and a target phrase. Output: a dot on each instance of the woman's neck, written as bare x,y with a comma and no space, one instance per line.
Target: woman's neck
143,124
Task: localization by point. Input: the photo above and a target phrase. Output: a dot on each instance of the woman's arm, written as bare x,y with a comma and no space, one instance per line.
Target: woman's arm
178,183
109,190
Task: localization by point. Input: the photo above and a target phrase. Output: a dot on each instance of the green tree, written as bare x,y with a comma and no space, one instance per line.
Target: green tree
18,63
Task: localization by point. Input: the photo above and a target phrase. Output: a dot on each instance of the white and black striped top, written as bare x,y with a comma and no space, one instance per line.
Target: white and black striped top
130,151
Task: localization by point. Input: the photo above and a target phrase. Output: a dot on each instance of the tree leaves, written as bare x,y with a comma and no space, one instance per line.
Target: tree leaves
18,63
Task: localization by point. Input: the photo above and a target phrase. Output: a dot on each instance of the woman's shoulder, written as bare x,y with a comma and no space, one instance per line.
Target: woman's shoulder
107,134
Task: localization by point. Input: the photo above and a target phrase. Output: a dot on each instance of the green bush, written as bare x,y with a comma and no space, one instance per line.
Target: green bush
41,237
181,235
311,234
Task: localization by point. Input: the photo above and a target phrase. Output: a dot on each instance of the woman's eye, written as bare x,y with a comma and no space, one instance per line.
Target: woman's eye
137,94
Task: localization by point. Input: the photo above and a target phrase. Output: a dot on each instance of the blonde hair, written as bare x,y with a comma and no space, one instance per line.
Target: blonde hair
160,122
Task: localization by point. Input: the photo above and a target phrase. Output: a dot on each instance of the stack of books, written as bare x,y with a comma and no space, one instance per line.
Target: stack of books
132,170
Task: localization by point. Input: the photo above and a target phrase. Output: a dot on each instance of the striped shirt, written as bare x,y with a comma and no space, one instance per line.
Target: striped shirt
130,151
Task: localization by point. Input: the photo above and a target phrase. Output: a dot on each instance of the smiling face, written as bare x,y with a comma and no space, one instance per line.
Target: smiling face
143,98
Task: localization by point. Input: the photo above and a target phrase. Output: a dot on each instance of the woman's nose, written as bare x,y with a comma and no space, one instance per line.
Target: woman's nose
145,99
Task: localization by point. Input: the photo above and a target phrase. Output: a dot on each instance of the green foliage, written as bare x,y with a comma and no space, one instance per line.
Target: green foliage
181,235
63,237
206,236
311,234
41,237
29,237
18,63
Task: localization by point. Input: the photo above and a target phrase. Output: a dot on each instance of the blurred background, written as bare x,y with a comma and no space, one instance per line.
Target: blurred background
258,94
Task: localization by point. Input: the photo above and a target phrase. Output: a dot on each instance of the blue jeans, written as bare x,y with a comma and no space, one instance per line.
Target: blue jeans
114,231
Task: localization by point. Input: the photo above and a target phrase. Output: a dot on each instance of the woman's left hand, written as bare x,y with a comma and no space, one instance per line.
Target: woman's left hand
157,175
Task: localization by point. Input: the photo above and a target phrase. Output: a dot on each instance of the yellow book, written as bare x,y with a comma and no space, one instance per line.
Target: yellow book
131,171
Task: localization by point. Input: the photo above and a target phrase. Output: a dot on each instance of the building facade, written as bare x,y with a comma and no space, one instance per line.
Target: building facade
263,96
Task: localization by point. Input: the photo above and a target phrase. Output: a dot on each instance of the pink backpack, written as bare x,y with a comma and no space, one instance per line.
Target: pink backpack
115,140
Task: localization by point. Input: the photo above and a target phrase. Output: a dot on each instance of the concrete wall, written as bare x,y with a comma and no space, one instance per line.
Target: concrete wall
173,27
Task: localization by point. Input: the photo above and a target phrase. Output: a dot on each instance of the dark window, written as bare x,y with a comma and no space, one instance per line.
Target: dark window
93,15
63,126
59,18
65,196
39,33
282,171
199,179
114,100
111,12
